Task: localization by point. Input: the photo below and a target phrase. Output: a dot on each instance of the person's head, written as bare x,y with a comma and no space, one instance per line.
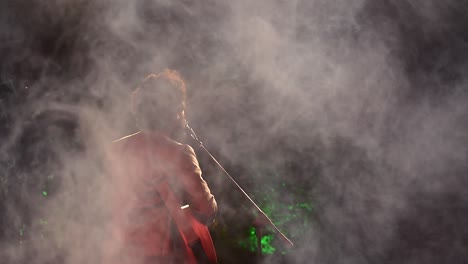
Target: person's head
158,104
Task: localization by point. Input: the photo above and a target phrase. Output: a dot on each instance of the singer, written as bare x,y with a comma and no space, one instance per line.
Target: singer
153,176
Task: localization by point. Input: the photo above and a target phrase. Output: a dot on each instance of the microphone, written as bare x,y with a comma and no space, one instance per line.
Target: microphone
192,133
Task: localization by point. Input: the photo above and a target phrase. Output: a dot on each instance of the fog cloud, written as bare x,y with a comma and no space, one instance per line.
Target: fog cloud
361,104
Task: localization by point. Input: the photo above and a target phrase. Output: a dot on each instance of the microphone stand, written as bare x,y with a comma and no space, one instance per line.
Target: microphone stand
262,219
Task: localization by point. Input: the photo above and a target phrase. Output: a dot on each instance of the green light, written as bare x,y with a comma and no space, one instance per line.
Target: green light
44,193
21,230
251,243
307,206
267,248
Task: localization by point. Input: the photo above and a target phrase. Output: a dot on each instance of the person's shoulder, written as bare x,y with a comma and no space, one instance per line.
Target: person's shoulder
186,149
187,154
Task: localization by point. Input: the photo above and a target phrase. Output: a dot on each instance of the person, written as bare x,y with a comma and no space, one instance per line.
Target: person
144,229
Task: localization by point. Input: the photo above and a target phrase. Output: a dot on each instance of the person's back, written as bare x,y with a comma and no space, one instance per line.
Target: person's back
143,228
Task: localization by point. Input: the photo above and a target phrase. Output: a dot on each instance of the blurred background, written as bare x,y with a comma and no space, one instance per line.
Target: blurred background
346,121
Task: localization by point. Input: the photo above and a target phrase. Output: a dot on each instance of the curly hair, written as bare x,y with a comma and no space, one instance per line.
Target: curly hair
160,85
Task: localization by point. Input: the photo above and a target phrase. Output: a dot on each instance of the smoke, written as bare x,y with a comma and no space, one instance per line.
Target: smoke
358,108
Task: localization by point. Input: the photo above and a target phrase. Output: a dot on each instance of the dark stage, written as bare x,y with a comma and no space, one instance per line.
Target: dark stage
345,121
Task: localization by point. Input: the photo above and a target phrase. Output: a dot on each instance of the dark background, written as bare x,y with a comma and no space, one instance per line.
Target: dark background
401,200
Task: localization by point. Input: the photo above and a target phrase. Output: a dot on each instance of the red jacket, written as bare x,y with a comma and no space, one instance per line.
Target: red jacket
142,228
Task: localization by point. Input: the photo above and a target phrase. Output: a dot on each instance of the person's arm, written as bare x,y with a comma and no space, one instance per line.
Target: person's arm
196,191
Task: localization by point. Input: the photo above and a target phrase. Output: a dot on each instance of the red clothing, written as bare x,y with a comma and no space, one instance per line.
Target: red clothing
143,229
